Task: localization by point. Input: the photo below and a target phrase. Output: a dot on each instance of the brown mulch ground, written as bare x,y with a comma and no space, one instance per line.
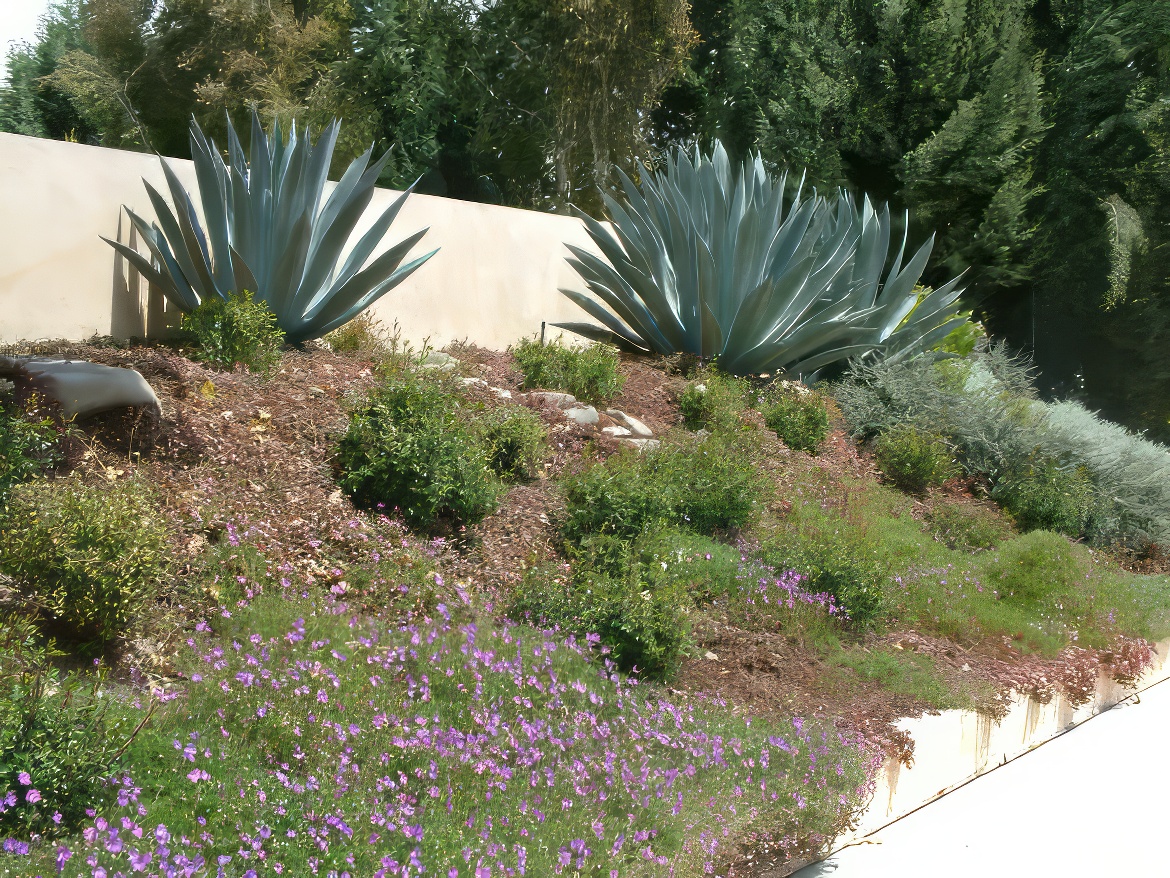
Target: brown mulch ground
231,449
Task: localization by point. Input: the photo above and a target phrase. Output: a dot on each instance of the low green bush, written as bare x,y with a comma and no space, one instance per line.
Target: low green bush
413,446
645,627
713,401
1047,496
1038,567
914,459
86,556
589,373
968,527
704,567
835,564
704,486
236,331
797,415
515,440
57,736
28,446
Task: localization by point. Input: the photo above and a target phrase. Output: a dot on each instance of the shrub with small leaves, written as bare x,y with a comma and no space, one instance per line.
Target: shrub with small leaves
704,486
797,414
88,556
1047,496
236,331
28,446
914,459
58,737
644,627
968,527
713,401
514,438
589,373
413,446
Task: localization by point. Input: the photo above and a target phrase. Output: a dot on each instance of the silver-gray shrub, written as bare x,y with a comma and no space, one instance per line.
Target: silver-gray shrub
1131,475
984,404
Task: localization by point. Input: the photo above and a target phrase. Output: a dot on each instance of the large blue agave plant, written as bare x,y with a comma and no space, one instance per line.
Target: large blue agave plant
704,258
270,230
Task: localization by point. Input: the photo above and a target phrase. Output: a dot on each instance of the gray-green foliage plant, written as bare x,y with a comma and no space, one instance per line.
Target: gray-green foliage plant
984,405
1131,474
268,227
712,259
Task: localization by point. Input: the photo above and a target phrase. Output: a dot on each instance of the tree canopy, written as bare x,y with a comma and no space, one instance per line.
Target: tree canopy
1030,135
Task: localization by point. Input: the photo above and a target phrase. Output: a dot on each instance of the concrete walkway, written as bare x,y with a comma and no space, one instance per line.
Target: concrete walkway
1094,801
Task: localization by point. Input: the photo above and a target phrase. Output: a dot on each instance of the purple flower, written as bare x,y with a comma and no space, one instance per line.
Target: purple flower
32,796
24,779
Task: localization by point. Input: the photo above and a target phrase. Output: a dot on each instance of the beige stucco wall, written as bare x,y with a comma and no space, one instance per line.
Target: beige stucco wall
494,279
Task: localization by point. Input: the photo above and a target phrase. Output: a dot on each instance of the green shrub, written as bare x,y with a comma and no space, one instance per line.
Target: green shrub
28,446
797,414
713,402
514,438
834,564
703,567
1047,496
913,459
1037,567
704,486
54,727
644,627
88,556
589,373
236,331
968,527
413,446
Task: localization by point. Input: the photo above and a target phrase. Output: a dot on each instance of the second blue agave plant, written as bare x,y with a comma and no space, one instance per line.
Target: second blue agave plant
270,229
708,258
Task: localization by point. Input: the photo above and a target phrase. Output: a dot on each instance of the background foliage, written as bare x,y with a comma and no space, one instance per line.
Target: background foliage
1031,136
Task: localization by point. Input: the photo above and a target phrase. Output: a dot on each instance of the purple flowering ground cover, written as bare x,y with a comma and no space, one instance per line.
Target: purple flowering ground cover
311,740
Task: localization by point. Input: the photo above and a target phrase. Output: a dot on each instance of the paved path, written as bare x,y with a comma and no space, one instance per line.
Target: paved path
1095,801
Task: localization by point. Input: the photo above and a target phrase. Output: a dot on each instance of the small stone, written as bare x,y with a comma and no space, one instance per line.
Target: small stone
636,427
560,400
502,393
439,360
585,415
710,655
473,382
615,431
316,391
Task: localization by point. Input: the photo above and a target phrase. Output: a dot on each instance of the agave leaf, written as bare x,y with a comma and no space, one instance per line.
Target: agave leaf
705,257
335,313
170,228
605,336
613,325
268,231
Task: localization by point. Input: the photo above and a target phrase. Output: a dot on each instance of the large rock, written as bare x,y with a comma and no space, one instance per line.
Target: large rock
636,427
81,388
559,400
585,415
